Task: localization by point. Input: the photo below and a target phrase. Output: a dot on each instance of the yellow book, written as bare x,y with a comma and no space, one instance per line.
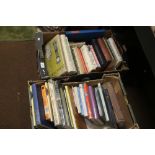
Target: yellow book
71,112
54,57
77,120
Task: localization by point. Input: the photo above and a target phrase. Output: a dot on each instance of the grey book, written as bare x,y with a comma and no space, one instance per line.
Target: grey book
64,105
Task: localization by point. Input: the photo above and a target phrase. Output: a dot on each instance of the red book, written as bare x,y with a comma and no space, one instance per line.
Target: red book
82,60
88,102
104,49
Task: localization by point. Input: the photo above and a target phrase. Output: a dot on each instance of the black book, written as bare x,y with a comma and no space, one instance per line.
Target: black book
110,108
99,53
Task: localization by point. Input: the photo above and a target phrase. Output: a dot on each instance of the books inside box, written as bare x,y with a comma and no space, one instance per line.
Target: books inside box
81,87
90,104
82,52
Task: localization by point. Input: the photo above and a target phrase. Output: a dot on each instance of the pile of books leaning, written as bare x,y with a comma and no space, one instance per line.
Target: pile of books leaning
83,103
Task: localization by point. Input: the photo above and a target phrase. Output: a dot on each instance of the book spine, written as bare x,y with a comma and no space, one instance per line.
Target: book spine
64,104
82,60
93,102
99,53
70,106
45,103
36,104
59,103
95,57
88,102
87,59
49,102
105,50
83,100
56,114
76,99
110,108
103,102
115,51
32,106
76,60
115,104
69,111
99,103
80,101
67,54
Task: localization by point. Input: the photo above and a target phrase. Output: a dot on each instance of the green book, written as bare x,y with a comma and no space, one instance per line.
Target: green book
54,57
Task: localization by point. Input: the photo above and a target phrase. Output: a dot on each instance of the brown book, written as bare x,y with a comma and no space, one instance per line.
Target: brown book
105,50
78,120
115,104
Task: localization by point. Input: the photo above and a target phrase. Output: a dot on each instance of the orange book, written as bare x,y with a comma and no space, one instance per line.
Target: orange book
82,60
45,102
88,102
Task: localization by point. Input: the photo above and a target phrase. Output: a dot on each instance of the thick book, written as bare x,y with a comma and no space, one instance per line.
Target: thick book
99,103
103,103
46,104
54,58
95,57
39,102
110,108
49,102
36,104
59,102
105,50
114,49
32,106
99,53
93,102
78,120
76,98
88,102
83,100
65,108
56,114
84,34
115,104
83,63
68,55
88,58
77,61
80,101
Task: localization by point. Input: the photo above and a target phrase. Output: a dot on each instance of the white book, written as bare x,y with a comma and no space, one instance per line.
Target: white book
94,55
67,54
88,57
56,115
49,102
76,99
103,102
83,99
32,107
115,51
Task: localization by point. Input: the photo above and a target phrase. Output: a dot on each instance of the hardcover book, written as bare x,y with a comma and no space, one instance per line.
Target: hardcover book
99,54
78,120
54,58
115,104
67,55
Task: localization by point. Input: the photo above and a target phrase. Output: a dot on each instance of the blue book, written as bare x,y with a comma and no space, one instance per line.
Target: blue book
36,104
84,35
80,100
39,108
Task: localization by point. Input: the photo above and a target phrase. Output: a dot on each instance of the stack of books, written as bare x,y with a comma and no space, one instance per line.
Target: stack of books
67,58
91,104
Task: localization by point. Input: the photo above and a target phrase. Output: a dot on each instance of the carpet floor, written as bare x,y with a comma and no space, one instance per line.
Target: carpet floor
17,66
